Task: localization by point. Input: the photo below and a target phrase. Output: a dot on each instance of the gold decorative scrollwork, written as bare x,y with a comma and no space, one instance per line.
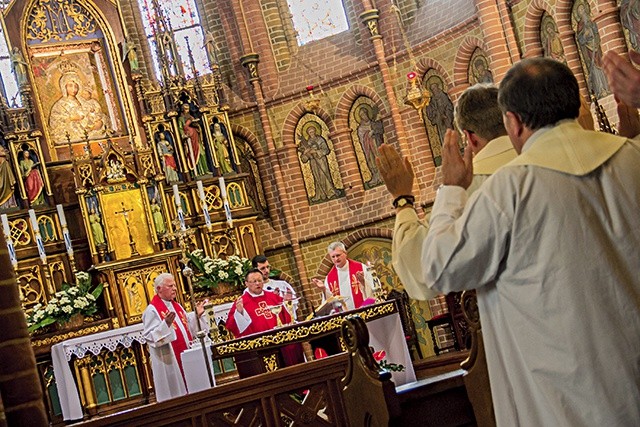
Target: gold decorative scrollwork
270,362
20,232
303,331
86,175
31,287
59,20
73,334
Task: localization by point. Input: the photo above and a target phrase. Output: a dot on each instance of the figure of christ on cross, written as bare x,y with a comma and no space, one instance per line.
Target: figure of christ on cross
252,313
125,213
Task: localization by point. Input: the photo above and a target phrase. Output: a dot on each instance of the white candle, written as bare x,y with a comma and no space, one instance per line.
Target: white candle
223,188
176,195
5,226
227,213
36,232
63,219
200,190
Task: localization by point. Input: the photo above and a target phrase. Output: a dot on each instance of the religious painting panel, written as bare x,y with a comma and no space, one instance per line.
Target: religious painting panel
589,47
168,156
34,181
479,71
136,288
630,20
126,223
76,94
318,160
550,39
438,115
376,253
249,165
367,134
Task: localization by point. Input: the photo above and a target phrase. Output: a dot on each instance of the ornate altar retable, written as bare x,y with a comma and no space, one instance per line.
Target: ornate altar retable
385,330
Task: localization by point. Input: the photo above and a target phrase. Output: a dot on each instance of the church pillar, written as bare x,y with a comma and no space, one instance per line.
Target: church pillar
498,35
19,385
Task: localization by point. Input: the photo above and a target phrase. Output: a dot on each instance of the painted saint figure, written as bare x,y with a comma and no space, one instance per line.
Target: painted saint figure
96,227
7,182
158,219
371,136
440,110
190,135
589,43
221,146
33,182
630,19
314,151
551,43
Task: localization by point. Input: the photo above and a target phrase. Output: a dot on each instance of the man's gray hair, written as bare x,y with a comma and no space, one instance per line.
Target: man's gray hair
336,245
159,280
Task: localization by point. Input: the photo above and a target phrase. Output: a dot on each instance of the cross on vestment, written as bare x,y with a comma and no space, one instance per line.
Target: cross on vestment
125,213
264,310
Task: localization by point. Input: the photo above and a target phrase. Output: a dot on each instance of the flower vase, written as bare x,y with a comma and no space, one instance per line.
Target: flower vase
74,322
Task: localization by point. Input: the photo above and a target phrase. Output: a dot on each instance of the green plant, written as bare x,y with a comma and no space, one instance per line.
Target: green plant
73,299
211,272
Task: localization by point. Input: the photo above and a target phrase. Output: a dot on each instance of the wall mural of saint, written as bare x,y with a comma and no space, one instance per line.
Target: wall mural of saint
367,134
479,71
589,47
438,115
630,19
550,39
317,160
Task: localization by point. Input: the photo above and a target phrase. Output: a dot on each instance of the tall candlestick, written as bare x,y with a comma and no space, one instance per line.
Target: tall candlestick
36,232
223,188
7,237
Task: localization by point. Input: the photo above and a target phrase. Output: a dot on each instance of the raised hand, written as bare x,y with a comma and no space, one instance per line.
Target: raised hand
456,169
169,318
396,171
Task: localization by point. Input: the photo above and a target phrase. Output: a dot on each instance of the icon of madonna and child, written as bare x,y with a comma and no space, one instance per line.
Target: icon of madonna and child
76,115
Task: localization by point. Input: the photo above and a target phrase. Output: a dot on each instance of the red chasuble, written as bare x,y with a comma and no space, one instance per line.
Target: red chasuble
356,291
257,307
181,343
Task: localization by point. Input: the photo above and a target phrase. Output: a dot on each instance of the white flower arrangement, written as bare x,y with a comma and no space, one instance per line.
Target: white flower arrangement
71,300
215,271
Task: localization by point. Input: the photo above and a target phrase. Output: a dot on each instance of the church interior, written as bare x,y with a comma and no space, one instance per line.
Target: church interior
141,136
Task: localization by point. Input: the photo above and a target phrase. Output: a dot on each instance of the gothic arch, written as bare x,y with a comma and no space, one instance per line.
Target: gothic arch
349,241
425,64
532,43
462,59
349,96
250,137
289,125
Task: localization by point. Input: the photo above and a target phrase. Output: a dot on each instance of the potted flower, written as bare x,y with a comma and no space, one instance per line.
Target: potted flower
69,306
212,273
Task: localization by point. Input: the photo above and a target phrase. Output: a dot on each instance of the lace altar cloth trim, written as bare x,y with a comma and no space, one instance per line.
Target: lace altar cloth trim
110,340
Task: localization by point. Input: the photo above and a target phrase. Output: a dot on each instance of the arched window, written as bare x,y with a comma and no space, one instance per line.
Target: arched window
184,20
317,19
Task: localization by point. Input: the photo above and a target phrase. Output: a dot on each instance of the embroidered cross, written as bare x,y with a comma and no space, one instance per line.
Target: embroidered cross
263,310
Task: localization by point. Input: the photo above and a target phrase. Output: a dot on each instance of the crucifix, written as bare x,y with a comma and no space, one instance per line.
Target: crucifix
125,213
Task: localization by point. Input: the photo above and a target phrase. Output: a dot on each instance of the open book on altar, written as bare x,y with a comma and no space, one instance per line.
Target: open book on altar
333,303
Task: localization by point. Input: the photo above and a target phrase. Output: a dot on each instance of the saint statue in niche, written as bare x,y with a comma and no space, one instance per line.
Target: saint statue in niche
33,183
313,150
190,134
221,147
95,223
19,66
166,152
7,181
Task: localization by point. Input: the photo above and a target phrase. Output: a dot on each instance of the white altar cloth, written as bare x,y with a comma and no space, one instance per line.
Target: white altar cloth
195,371
61,355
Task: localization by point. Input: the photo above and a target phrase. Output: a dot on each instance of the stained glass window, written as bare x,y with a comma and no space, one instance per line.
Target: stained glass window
317,19
11,94
185,22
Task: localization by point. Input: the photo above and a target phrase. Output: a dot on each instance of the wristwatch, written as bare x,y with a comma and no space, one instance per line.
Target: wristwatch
402,201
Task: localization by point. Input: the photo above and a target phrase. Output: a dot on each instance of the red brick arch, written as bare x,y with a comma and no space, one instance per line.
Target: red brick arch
426,64
350,240
532,42
462,59
348,98
250,137
289,125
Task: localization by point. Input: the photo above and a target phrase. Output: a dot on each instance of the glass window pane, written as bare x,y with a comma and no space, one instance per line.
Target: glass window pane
317,19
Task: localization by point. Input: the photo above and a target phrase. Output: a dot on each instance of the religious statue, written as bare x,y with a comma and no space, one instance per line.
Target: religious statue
33,183
96,227
440,110
221,147
115,170
314,150
7,182
190,134
76,113
19,66
129,53
371,136
158,219
166,153
210,48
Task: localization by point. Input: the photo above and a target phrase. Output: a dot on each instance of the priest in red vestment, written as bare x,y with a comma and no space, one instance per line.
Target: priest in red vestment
252,314
168,331
347,278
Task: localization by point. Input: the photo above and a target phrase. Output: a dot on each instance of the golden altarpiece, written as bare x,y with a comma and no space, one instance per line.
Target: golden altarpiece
114,165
